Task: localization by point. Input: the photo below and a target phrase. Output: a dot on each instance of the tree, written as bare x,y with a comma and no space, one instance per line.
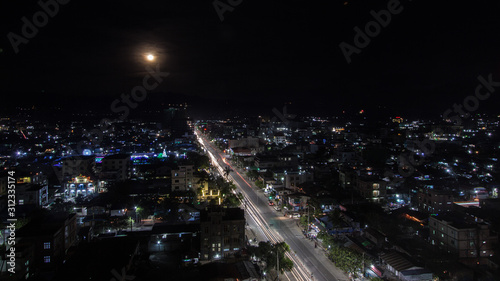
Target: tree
226,188
200,162
61,206
346,259
203,177
232,201
335,217
267,253
227,170
259,184
268,174
252,174
303,221
280,249
120,191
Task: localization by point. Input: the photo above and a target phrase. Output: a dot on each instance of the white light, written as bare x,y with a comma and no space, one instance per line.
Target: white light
150,57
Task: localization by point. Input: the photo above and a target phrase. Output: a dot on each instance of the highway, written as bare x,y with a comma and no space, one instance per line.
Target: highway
309,262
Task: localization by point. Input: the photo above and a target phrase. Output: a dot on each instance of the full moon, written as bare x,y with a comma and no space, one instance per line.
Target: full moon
150,57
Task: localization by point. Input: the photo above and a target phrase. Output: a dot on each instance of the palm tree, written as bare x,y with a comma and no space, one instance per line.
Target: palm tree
335,217
227,170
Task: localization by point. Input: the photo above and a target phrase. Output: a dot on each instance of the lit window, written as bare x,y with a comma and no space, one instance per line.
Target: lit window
46,259
46,245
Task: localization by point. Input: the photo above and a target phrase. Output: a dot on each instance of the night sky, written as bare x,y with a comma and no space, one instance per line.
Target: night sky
427,57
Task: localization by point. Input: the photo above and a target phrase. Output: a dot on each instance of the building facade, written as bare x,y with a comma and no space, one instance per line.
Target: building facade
182,178
78,165
467,240
32,194
79,185
434,201
222,232
115,168
372,189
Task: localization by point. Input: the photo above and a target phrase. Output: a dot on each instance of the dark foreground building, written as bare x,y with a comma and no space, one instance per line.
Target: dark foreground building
222,232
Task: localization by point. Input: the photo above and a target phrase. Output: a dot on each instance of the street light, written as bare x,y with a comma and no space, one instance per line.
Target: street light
135,208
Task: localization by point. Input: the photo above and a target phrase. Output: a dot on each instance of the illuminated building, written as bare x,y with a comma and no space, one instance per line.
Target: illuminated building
208,194
371,189
79,185
398,120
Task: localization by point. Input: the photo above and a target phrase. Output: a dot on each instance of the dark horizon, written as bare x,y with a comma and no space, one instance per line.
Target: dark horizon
424,60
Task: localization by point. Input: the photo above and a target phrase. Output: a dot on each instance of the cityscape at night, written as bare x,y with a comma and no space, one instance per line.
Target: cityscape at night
249,140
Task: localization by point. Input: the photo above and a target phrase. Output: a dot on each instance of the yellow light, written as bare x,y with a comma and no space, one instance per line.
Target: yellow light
150,57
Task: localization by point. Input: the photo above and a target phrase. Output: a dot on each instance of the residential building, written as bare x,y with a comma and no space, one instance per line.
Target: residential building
434,201
222,232
371,188
182,178
32,194
452,233
51,236
297,201
399,265
292,180
347,178
115,168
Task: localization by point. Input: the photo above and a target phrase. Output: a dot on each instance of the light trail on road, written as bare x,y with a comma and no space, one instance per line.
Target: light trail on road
299,271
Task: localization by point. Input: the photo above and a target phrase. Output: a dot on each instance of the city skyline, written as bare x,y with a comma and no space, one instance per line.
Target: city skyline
249,140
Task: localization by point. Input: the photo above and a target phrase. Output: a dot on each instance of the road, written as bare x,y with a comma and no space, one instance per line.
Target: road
307,259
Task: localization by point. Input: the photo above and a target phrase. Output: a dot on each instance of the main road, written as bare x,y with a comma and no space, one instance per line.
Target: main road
310,263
